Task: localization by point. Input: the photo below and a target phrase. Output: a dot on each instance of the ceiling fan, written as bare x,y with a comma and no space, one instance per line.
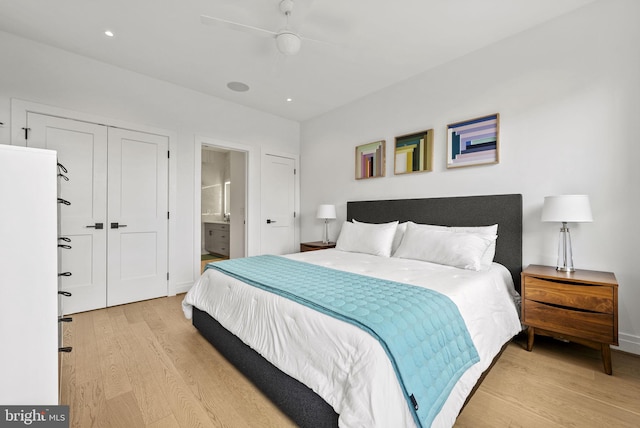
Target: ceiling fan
288,42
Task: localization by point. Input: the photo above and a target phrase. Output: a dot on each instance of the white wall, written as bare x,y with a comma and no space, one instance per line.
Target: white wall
42,74
567,93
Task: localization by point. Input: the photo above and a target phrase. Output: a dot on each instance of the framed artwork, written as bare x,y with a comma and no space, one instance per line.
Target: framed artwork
413,152
473,142
370,160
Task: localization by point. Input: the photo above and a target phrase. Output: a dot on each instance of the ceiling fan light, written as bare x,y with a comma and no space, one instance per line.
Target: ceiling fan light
288,43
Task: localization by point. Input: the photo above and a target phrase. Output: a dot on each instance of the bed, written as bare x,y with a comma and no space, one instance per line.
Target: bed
364,405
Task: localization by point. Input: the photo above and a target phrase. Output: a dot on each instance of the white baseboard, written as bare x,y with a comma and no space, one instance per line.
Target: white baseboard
183,287
628,343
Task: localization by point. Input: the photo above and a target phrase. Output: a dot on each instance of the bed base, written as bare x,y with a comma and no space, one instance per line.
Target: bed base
296,400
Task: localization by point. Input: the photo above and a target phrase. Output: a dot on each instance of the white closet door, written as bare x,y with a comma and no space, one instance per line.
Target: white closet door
278,205
82,149
138,206
126,171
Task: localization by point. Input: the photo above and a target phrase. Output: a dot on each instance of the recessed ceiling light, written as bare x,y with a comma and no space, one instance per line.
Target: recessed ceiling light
109,33
289,100
238,86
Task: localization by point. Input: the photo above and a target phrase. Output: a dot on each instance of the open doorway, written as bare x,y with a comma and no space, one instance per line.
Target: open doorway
223,203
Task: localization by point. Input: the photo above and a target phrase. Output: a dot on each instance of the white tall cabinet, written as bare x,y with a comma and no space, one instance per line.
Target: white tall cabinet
28,276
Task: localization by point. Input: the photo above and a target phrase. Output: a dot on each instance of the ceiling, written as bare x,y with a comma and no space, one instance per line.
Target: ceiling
366,45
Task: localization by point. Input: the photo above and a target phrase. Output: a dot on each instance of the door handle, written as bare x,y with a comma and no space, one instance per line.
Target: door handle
269,221
117,226
97,226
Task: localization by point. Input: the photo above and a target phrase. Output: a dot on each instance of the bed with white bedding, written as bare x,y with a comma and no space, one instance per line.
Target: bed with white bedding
341,363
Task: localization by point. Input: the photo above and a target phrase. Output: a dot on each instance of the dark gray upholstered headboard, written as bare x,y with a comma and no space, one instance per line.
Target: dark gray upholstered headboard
504,210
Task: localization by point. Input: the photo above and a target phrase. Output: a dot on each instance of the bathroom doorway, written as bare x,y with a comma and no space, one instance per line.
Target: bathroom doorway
223,197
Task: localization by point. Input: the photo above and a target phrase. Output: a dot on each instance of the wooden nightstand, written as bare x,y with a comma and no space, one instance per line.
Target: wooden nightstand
580,306
315,245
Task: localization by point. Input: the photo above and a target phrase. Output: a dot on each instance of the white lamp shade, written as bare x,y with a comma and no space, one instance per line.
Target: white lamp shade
326,211
567,208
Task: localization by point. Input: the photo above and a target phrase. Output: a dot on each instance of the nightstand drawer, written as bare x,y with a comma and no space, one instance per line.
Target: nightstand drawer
316,245
587,325
590,298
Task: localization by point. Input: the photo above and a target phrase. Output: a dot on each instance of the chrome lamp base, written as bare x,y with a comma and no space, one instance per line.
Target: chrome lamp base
565,256
325,239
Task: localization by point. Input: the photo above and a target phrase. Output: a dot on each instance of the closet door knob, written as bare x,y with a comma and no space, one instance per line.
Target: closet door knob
117,226
96,226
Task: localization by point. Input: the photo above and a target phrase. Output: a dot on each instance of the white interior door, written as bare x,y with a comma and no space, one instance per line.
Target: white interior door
82,149
278,205
138,211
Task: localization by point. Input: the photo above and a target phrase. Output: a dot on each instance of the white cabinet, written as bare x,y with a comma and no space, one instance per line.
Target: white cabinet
28,276
216,238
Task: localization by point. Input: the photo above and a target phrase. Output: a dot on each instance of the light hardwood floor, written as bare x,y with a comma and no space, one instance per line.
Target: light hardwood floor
144,365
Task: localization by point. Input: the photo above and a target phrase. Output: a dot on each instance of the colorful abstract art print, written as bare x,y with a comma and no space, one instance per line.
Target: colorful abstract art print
473,142
370,160
413,152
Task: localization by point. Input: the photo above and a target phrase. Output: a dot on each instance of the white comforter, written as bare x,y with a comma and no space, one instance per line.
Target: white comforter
343,364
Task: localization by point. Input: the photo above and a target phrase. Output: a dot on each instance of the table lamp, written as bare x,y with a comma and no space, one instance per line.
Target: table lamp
565,209
326,212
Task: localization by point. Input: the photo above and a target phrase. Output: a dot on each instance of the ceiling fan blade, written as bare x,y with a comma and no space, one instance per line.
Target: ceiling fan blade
209,20
308,39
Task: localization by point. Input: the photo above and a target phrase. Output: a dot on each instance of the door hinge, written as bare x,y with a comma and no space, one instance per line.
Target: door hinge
26,133
168,154
294,214
167,276
167,215
294,171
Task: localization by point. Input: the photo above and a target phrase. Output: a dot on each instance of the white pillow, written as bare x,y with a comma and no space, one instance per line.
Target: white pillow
397,238
445,246
367,238
490,231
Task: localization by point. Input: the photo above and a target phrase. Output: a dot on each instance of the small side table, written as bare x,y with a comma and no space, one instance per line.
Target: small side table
580,306
315,245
